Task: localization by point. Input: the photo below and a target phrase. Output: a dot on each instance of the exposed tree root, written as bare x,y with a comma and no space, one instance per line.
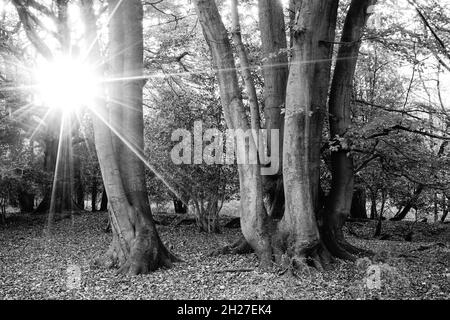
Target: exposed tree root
141,260
233,223
319,256
144,259
355,250
239,247
337,250
315,256
334,240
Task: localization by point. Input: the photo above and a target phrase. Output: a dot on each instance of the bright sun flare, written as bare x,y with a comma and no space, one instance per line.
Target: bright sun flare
65,84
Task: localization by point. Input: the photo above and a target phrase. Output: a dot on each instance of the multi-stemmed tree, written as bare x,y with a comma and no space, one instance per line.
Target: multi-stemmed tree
307,230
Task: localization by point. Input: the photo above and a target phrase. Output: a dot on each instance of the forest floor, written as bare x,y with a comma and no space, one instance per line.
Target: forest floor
33,266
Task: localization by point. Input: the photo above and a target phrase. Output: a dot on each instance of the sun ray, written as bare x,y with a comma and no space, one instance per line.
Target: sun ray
51,211
139,154
42,123
97,37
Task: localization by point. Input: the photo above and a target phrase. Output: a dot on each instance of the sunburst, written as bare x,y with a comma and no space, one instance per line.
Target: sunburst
65,84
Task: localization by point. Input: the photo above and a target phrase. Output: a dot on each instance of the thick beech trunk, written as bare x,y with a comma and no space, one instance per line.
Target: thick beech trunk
340,198
136,247
323,61
275,63
298,230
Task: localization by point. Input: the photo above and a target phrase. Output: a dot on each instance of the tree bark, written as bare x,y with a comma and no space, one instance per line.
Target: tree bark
136,247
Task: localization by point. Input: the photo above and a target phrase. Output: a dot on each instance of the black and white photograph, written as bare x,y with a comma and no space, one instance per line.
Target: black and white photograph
235,158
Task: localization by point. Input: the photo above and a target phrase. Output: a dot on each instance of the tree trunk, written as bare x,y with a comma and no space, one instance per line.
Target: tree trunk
445,207
26,201
253,215
373,205
245,66
207,215
275,72
104,201
358,208
410,204
62,190
94,192
78,188
340,198
436,208
58,160
179,206
326,35
297,233
2,211
298,230
51,142
275,63
380,218
136,247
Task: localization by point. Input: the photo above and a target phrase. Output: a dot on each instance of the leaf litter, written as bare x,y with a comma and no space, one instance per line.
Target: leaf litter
33,266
